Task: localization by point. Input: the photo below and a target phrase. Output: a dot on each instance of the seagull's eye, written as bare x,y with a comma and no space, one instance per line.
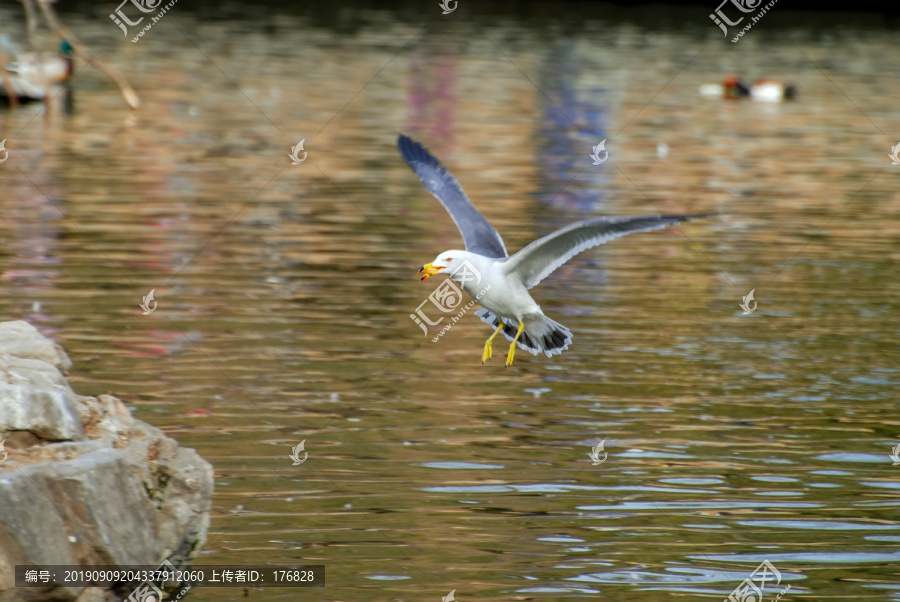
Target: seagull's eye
449,259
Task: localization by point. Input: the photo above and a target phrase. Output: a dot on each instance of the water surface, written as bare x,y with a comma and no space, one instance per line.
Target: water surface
284,293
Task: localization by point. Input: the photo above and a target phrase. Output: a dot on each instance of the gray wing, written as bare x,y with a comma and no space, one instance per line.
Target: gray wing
538,260
478,234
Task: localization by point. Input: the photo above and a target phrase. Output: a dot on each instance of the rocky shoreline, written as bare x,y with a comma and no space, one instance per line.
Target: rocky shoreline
81,481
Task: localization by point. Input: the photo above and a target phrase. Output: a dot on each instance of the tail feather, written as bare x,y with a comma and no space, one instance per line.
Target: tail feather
541,334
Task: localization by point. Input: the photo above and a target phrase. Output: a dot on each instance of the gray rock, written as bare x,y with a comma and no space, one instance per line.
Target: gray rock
21,339
34,394
84,483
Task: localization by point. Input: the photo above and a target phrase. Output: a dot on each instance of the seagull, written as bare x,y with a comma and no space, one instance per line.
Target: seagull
500,282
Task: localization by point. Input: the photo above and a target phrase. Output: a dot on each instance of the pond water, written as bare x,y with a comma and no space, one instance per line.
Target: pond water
285,291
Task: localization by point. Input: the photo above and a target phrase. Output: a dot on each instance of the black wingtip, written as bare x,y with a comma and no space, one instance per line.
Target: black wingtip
414,152
686,217
407,147
689,216
406,144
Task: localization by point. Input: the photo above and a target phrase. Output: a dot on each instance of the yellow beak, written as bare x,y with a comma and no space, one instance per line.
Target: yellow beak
429,270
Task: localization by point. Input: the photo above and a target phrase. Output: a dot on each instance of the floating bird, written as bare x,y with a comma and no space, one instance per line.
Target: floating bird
500,282
730,88
30,76
771,90
765,90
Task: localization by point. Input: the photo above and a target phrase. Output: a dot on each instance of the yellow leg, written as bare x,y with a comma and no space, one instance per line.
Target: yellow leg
487,346
512,348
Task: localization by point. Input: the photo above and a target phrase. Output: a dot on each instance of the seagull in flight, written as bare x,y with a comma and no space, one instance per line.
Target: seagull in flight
500,282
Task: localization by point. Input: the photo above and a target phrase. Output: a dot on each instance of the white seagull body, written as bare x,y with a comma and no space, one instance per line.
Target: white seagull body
502,281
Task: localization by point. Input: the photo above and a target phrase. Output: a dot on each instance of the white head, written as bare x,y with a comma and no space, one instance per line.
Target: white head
447,263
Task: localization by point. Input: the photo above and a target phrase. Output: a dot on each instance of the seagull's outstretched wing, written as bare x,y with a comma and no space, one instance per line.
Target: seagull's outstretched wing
536,261
478,234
